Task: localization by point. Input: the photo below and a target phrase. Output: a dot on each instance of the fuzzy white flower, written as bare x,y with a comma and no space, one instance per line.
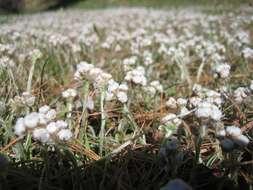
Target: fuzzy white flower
112,85
137,76
221,70
61,124
44,109
28,98
41,135
171,119
157,85
31,120
122,97
19,128
251,85
233,131
42,119
69,93
51,115
65,134
194,101
171,103
208,110
247,53
241,140
150,90
181,102
221,133
90,103
240,94
123,87
52,127
35,54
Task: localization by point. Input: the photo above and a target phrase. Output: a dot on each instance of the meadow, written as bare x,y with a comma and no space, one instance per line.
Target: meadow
127,98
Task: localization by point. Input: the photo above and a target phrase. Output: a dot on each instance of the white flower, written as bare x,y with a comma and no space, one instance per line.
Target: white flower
19,128
31,120
51,115
123,87
221,70
35,54
157,85
137,76
61,124
194,101
251,85
112,85
69,93
122,97
28,98
42,119
41,135
240,94
171,119
44,109
181,102
233,131
52,127
247,53
197,88
150,90
118,90
90,103
171,103
208,110
83,69
241,140
139,80
65,134
221,133
213,97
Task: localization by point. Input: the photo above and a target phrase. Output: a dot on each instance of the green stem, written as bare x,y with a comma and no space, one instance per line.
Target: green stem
85,113
197,149
27,145
103,121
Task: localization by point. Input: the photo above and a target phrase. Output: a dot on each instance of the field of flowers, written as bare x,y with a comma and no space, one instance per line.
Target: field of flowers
127,98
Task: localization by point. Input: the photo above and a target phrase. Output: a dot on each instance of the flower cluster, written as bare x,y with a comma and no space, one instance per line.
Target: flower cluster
43,126
206,110
117,90
137,76
91,73
221,70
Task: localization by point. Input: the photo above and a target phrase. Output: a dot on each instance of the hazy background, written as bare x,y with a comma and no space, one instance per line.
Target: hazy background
40,5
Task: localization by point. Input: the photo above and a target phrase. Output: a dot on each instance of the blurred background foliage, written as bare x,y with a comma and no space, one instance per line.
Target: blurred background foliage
39,5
